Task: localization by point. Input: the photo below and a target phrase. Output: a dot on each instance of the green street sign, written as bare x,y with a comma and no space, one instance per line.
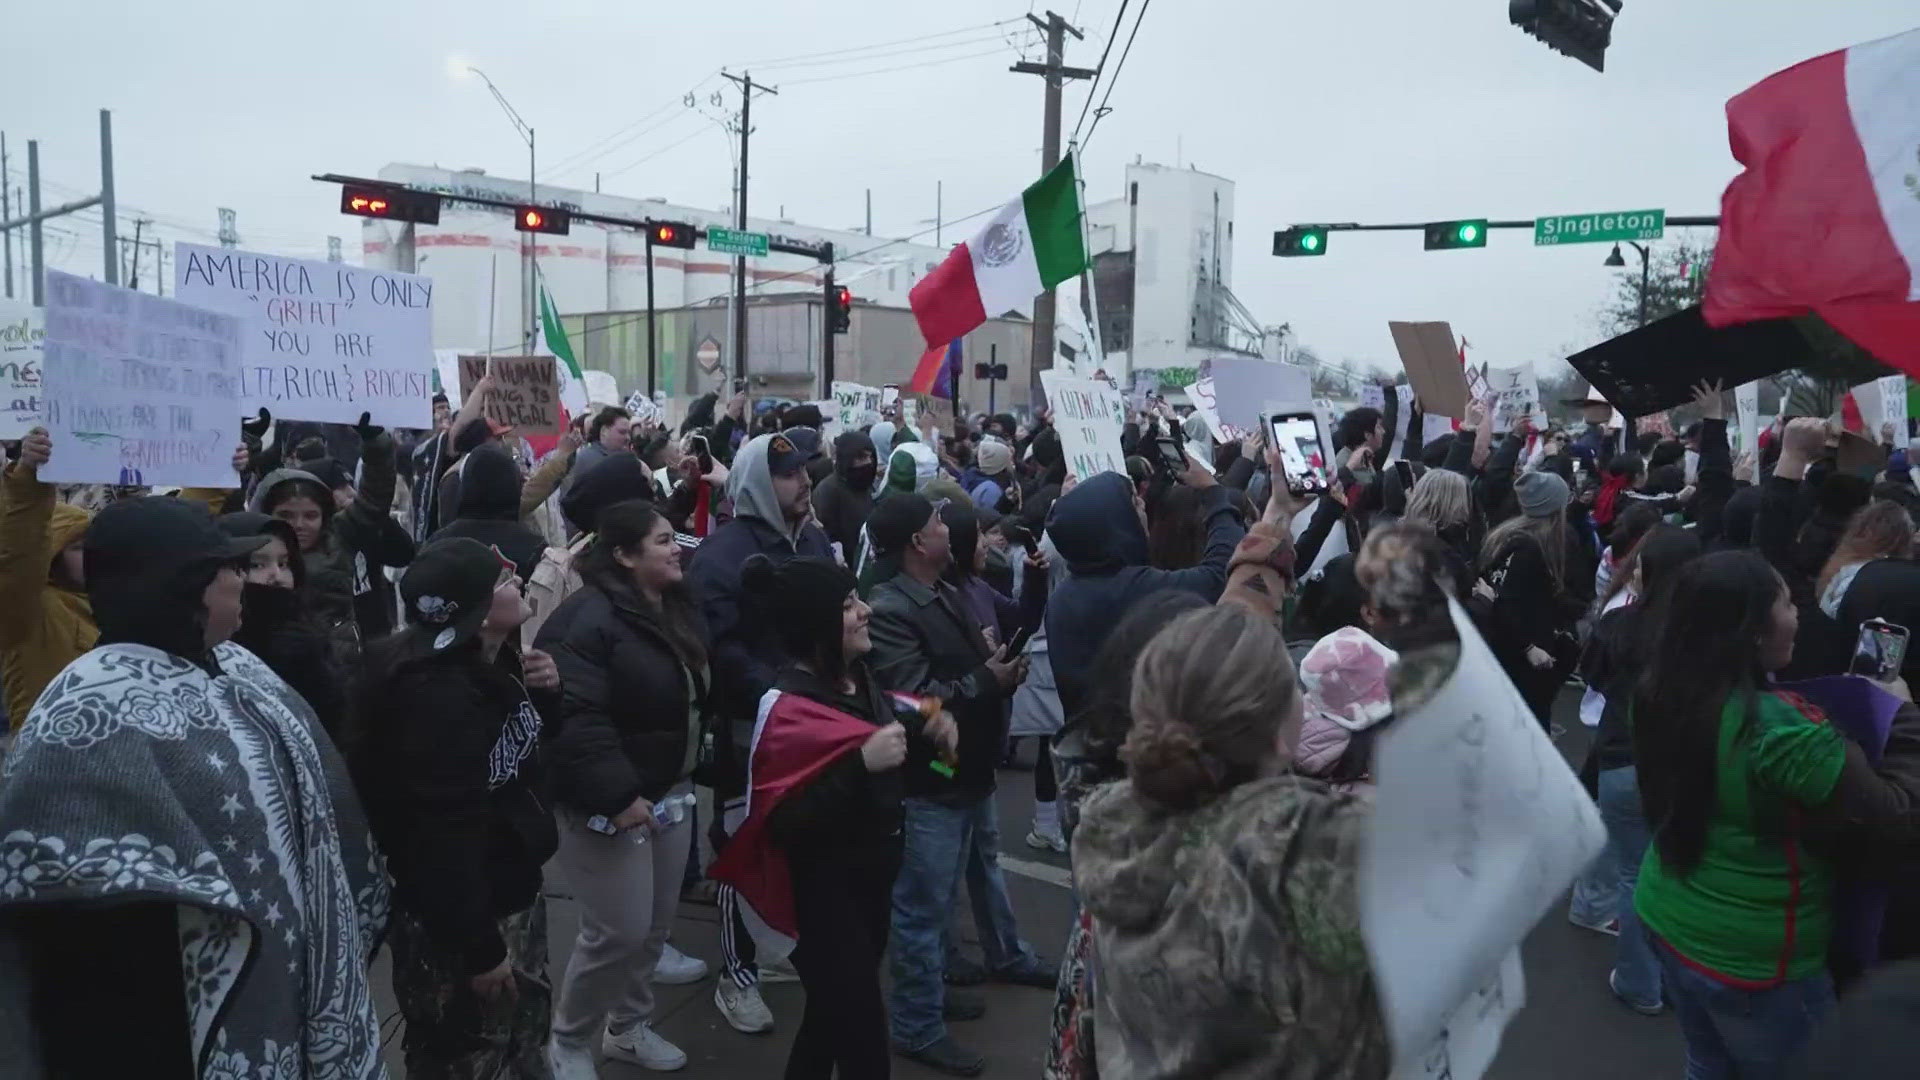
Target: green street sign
734,242
1599,228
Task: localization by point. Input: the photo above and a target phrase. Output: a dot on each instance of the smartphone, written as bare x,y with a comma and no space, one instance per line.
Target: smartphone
1297,436
1172,456
1880,651
697,446
739,386
1018,643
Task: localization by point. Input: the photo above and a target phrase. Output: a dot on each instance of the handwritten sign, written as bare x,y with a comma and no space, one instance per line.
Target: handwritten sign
322,341
139,390
1373,396
1205,402
1516,395
1746,402
643,409
1478,828
525,394
1089,414
22,326
856,406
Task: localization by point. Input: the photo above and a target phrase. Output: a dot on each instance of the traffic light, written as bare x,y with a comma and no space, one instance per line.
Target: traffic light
1447,235
670,234
392,203
1300,240
542,219
1581,29
840,302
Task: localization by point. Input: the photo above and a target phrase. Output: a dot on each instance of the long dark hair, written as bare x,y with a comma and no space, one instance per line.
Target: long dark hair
1707,633
1176,537
1107,712
624,526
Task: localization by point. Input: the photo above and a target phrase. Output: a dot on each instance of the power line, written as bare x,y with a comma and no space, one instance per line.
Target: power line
1100,69
829,62
588,152
890,70
780,61
1124,53
702,130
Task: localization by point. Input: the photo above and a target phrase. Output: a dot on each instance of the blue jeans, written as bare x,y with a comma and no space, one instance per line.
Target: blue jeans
945,845
1735,1034
1636,970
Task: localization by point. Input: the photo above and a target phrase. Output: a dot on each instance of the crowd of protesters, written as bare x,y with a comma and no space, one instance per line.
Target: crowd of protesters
378,694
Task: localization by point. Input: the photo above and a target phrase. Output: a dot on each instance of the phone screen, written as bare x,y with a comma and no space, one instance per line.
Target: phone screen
1018,644
1297,437
1880,651
1171,455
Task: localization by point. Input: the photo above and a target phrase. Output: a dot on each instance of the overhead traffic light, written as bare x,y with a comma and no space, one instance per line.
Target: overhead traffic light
1581,29
1447,235
1300,240
840,302
670,234
392,203
542,219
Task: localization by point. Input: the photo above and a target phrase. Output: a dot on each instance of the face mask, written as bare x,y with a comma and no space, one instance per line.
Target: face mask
862,475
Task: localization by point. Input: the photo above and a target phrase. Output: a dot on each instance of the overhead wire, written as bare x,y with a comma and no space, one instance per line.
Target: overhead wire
1100,69
594,150
889,70
1117,68
974,29
962,43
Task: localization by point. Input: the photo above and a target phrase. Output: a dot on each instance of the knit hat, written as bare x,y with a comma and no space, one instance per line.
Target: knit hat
801,598
994,457
1541,494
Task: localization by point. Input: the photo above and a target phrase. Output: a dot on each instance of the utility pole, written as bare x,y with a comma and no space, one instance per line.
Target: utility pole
133,274
747,87
1055,71
229,228
6,213
107,240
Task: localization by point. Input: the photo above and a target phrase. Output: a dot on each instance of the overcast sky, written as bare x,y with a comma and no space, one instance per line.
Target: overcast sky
1407,110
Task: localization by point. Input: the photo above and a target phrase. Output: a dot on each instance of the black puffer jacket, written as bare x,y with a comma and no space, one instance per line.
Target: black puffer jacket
623,728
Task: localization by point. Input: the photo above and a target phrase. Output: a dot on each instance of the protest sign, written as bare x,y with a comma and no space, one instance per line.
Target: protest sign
1516,396
1146,384
889,394
1242,386
1893,406
1656,367
1373,396
1432,361
22,326
446,375
1478,827
1403,420
641,408
915,406
321,340
601,388
1479,388
858,406
139,390
1746,402
1202,396
525,394
1089,414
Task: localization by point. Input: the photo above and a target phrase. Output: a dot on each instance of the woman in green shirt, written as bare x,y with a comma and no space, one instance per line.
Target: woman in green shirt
1735,779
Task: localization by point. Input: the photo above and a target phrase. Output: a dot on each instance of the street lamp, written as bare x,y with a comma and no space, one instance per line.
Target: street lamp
526,243
1615,259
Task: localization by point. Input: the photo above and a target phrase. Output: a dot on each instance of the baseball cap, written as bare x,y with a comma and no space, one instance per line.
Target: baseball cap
159,530
894,522
448,590
785,455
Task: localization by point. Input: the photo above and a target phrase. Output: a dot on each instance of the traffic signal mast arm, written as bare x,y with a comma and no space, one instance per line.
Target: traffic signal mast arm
1527,224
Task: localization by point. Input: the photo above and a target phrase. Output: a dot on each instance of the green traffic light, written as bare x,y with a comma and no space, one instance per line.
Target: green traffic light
1469,233
1310,241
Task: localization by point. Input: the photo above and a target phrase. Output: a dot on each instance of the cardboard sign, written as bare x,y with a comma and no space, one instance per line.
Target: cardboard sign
22,326
525,394
915,406
1656,367
1516,396
322,340
1478,827
1242,386
1432,359
857,406
1089,414
139,390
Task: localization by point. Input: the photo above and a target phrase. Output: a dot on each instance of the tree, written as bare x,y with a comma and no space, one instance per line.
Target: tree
1676,280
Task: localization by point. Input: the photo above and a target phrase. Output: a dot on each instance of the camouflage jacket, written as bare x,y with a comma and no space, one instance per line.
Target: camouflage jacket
1227,940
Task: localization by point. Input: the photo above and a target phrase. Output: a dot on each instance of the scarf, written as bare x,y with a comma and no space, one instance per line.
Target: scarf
1607,502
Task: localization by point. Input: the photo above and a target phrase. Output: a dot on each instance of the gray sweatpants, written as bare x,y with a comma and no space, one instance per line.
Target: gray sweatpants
628,893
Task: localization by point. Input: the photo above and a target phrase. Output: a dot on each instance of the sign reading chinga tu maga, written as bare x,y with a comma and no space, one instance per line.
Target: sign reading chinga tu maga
139,390
321,341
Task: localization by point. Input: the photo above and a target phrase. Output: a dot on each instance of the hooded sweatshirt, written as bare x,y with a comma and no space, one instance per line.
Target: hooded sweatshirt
1229,936
843,501
1096,529
489,509
45,627
746,653
276,626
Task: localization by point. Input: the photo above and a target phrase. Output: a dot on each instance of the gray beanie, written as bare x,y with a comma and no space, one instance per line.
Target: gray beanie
1541,494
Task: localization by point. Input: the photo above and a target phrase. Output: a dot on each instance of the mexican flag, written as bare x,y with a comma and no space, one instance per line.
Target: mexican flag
1826,217
573,386
1032,244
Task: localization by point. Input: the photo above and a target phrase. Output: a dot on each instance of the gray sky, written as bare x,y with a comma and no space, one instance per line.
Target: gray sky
1408,110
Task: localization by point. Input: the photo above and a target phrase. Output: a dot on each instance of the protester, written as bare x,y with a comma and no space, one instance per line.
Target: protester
995,489
1535,571
446,750
277,625
1343,682
843,500
1442,500
1224,901
609,433
1740,782
633,659
772,501
346,547
489,509
615,480
822,843
171,805
1879,530
47,624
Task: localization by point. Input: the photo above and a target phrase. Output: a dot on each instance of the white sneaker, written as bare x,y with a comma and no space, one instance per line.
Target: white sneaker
779,971
743,1009
569,1061
644,1047
677,968
1040,841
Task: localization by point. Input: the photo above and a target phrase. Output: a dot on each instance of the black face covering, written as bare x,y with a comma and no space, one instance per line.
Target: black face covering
861,476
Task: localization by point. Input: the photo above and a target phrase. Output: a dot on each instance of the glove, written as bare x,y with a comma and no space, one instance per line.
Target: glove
257,429
365,428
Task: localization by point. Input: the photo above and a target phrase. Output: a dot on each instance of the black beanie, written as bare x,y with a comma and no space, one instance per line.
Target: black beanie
802,598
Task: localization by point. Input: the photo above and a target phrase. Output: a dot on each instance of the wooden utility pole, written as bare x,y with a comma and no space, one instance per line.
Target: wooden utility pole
1055,72
747,87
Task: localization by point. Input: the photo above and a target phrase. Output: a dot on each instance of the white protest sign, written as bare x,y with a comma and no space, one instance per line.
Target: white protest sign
1746,403
322,340
1893,407
857,406
1433,427
602,389
1242,385
139,390
22,326
641,408
830,428
1146,384
1201,394
1404,420
1516,395
1089,414
1478,827
1373,396
446,366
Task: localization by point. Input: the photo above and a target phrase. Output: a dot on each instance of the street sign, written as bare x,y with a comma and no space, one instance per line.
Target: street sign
707,355
1599,228
734,242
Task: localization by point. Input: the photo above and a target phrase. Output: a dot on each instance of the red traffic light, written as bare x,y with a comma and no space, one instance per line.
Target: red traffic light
845,298
671,234
393,203
542,219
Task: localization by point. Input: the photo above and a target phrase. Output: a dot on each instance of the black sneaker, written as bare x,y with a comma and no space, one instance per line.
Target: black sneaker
963,971
961,1007
947,1056
1038,974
